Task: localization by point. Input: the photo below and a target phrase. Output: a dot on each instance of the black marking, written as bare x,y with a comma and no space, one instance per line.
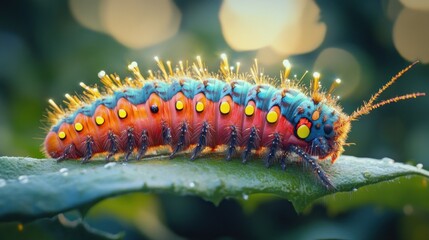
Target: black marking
328,128
67,153
202,140
144,142
154,108
89,143
166,133
250,145
314,165
112,142
233,142
182,139
272,150
131,143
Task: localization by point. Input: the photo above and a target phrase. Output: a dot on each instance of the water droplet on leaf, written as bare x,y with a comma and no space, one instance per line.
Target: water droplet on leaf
2,182
109,165
64,171
23,179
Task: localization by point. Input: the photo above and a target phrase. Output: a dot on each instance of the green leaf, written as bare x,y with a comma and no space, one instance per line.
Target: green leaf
32,188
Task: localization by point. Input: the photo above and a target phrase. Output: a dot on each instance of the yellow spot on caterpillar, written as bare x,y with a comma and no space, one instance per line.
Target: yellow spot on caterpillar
99,120
199,107
179,105
225,108
303,131
62,135
272,117
316,115
249,110
122,113
78,126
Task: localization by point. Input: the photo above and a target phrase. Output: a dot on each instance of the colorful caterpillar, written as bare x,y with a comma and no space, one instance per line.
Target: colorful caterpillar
190,108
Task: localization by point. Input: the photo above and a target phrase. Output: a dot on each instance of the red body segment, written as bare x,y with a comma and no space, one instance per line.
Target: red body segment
225,121
184,124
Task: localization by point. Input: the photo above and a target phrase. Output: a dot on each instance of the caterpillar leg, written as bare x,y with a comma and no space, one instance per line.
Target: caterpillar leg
282,160
314,165
112,145
131,143
144,143
202,140
182,139
89,143
67,153
166,133
250,145
272,150
233,141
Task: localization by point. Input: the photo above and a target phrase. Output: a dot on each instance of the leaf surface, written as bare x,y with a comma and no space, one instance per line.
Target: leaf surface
32,188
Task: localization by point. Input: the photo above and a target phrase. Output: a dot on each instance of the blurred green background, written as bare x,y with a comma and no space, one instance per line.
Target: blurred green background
48,47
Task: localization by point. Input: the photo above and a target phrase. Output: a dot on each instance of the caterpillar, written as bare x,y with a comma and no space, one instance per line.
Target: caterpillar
191,108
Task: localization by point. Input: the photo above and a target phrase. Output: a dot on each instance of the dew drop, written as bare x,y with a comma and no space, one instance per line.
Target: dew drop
192,184
109,165
2,182
388,160
245,196
23,179
419,166
64,172
367,174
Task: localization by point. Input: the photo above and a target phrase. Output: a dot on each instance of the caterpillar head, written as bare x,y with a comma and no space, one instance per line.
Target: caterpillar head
321,124
323,127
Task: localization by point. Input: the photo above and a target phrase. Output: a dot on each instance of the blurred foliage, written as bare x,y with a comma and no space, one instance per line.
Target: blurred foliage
45,52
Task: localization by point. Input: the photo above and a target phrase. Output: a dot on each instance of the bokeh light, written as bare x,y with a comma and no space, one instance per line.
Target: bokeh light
416,4
289,27
87,13
249,25
142,23
302,35
133,23
344,65
411,34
